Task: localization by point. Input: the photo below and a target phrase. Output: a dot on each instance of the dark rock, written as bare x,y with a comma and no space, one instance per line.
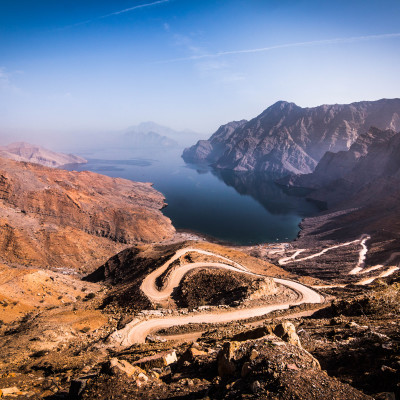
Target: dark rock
76,389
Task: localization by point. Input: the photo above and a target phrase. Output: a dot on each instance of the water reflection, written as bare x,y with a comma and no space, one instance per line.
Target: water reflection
242,208
262,187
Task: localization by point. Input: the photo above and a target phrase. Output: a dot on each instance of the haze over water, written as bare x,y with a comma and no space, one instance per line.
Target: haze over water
239,208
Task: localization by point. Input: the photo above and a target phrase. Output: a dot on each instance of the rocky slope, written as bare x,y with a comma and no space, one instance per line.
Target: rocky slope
60,347
209,151
56,218
21,151
286,138
373,155
349,350
361,189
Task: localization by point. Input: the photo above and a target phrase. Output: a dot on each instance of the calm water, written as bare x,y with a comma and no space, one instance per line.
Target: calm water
241,208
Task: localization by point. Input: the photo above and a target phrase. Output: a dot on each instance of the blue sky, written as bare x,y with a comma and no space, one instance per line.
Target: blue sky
85,66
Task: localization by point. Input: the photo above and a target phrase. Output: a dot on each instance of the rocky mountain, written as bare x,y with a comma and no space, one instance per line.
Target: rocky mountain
286,138
21,151
361,190
58,218
148,140
209,151
372,158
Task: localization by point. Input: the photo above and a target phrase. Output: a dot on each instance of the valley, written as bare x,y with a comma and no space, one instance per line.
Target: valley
199,200
102,297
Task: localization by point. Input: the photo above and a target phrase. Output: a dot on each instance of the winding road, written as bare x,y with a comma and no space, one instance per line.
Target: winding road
137,330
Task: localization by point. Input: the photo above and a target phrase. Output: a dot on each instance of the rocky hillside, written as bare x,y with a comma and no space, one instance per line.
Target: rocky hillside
371,156
210,151
361,190
57,218
286,138
21,151
126,270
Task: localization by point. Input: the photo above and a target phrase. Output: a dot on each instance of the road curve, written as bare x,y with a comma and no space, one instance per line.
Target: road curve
137,330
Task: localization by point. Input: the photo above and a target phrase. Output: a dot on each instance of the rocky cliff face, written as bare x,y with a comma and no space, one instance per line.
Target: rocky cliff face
369,157
21,151
51,217
286,138
370,162
209,151
361,189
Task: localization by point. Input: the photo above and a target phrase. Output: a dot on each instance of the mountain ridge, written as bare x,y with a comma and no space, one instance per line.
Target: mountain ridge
286,138
26,152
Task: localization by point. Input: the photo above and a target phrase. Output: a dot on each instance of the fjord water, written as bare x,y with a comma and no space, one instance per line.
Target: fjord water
241,208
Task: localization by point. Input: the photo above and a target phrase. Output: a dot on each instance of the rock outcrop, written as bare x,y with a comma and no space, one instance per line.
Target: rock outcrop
21,151
209,151
286,138
57,218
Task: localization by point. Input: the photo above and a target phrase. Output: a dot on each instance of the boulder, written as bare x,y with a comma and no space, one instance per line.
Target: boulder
76,388
120,367
226,359
287,332
255,333
159,360
191,354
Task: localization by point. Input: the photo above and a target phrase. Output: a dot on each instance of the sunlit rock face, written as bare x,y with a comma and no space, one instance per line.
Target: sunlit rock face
52,217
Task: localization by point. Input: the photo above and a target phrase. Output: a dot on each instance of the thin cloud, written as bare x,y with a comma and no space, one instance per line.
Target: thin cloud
134,8
125,10
353,39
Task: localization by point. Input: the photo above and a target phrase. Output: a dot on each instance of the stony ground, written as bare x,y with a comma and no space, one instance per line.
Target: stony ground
345,349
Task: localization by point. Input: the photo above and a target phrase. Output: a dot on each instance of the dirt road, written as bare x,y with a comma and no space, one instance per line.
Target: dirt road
137,330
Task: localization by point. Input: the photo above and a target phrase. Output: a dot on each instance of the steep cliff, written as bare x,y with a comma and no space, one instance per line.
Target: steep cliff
286,138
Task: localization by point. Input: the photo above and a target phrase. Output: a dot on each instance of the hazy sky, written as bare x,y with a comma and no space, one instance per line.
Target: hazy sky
88,65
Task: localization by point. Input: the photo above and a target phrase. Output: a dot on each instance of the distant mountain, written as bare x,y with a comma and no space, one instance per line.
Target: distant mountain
147,140
151,134
286,138
21,151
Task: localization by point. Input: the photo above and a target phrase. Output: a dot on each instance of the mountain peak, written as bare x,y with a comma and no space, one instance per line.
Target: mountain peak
286,138
281,104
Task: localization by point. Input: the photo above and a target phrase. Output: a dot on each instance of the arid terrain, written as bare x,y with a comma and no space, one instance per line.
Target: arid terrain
100,298
21,151
57,219
127,330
